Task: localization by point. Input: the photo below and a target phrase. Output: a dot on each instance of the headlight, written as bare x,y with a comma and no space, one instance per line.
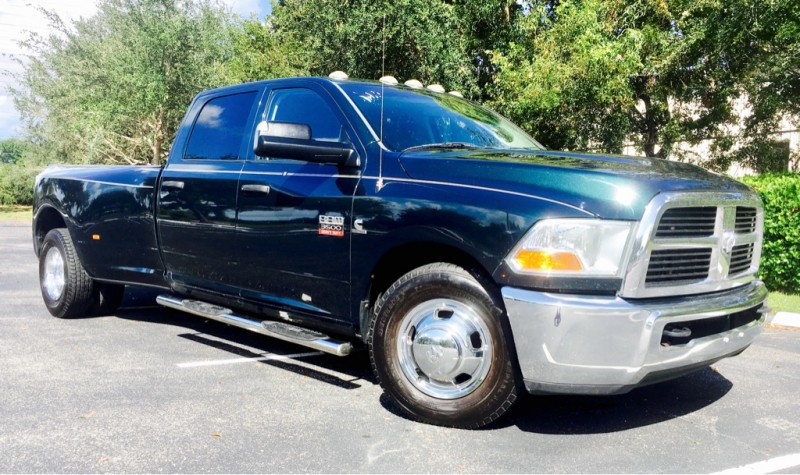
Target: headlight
572,247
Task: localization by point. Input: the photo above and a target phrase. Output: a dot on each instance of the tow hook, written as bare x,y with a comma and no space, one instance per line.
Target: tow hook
675,332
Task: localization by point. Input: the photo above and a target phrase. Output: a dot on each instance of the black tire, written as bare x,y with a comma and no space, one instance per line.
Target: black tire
415,360
106,298
67,289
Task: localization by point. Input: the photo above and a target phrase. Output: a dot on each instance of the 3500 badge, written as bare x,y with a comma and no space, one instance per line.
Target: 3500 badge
331,225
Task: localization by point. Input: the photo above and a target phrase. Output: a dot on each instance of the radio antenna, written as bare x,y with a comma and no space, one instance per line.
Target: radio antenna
379,184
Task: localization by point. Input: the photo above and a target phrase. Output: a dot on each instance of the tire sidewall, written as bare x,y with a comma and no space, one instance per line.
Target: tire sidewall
53,241
476,408
76,295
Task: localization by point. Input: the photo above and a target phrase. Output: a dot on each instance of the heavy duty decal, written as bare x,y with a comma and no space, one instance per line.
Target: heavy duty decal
331,225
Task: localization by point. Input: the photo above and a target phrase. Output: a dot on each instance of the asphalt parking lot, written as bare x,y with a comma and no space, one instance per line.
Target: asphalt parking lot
154,390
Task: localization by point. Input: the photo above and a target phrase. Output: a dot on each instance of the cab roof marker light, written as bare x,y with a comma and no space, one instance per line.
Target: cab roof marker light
413,84
456,93
388,80
340,75
436,88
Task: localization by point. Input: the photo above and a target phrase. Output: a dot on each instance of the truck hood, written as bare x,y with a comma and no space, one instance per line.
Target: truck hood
608,186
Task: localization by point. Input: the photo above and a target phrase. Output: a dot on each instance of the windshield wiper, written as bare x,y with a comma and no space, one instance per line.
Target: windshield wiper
440,145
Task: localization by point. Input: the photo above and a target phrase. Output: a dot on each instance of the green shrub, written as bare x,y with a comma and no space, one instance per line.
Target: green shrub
16,183
780,260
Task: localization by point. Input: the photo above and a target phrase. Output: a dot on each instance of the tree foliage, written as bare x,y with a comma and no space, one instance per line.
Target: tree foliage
762,40
112,88
18,168
567,78
12,150
421,39
577,74
600,73
258,53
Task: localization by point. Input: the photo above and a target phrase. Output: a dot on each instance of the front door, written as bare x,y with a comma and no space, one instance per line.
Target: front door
294,217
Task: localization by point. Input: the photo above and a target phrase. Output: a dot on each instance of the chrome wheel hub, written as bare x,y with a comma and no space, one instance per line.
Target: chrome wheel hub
54,274
444,348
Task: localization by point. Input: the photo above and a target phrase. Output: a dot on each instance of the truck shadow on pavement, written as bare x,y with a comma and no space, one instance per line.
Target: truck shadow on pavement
579,415
351,372
583,415
557,415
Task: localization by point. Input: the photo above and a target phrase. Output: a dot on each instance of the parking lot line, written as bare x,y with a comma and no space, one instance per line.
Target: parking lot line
197,364
767,466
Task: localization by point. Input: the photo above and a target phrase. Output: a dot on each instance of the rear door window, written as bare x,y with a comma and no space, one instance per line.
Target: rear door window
220,128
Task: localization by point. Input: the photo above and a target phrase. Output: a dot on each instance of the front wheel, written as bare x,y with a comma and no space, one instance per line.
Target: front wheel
439,350
66,287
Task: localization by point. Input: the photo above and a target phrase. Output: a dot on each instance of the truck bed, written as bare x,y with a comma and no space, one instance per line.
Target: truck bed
109,211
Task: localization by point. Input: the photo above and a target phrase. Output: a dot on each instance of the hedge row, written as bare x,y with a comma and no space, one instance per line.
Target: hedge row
780,260
16,183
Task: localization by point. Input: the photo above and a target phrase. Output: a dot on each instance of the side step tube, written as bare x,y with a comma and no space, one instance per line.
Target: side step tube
280,330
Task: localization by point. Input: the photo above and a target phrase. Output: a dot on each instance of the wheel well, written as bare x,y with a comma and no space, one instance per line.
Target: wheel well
403,259
47,219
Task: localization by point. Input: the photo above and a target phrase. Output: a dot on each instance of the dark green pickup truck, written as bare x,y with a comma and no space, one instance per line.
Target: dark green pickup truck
471,262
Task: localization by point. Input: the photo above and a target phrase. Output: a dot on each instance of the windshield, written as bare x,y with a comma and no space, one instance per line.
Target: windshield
420,118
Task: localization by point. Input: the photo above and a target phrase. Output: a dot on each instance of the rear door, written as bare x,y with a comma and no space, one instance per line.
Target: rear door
198,192
295,216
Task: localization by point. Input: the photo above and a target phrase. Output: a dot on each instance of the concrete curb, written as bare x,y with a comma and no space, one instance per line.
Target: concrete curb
786,319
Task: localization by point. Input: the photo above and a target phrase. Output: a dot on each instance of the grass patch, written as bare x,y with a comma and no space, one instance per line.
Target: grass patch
15,213
784,302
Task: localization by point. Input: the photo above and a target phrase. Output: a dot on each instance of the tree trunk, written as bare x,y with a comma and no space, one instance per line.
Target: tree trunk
159,142
650,132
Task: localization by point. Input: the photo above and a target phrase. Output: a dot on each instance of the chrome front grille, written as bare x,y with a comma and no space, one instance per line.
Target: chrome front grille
741,258
687,222
690,243
673,266
745,219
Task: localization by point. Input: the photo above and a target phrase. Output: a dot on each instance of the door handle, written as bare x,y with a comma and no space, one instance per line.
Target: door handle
175,185
260,189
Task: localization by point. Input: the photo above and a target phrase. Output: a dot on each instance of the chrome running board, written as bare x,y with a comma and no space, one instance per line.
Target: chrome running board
280,330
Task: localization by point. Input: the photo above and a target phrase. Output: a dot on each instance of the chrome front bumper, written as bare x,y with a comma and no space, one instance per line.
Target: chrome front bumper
572,344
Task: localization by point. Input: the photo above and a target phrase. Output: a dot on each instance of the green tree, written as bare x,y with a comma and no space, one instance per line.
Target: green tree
597,73
18,168
762,39
489,26
566,78
420,39
112,88
12,150
577,74
258,53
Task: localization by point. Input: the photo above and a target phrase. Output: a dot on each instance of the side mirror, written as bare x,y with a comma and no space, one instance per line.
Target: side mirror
293,141
286,130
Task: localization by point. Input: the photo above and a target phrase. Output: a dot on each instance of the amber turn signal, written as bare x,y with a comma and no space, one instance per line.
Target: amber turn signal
548,260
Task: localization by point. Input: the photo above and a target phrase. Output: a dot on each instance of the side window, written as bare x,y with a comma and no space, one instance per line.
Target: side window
304,106
218,131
